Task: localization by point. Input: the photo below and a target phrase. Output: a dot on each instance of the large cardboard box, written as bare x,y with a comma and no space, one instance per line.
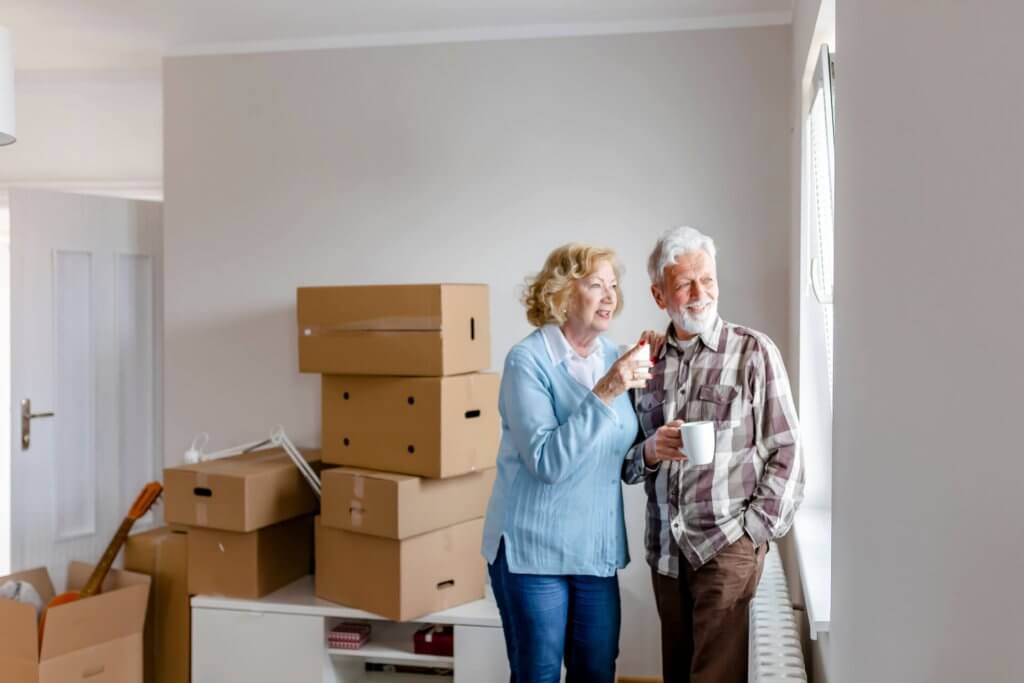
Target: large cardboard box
401,580
242,493
424,330
98,637
399,505
429,426
162,554
249,564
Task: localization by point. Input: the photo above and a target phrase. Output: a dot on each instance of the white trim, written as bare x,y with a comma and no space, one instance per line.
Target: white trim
148,74
812,531
150,190
486,33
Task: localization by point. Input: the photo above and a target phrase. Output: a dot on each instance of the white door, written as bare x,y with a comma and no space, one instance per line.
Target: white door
86,329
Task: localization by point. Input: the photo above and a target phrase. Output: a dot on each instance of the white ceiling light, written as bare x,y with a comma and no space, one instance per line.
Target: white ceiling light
7,134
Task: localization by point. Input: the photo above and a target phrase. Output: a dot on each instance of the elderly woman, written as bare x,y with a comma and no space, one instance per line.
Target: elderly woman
555,534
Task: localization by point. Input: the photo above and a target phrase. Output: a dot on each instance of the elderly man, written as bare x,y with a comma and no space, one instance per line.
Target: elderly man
708,526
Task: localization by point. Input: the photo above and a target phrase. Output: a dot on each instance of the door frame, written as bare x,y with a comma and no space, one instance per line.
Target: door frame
147,190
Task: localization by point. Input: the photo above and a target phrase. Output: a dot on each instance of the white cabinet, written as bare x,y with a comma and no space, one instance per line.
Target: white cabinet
480,653
241,646
282,637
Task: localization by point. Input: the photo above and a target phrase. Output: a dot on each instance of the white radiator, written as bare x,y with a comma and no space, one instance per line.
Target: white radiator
775,653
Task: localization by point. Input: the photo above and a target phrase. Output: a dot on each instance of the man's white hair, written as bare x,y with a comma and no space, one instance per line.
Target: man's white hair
673,244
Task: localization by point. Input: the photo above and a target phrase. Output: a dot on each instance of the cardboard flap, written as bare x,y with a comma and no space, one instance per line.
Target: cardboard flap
79,572
19,670
18,631
38,577
119,613
369,307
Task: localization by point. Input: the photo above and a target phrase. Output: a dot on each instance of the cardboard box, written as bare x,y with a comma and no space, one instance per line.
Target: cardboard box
162,554
429,426
401,580
249,564
419,330
241,493
100,636
399,505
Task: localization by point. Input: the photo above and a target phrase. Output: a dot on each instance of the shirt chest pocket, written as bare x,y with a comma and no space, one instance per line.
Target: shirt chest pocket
718,402
650,412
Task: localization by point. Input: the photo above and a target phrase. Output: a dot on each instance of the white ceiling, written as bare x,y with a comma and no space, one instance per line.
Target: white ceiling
134,34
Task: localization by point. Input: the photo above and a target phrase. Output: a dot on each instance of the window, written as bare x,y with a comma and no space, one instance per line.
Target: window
817,322
821,147
817,254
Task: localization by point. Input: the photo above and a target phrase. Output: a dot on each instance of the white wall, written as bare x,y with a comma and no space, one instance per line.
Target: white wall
929,546
90,127
460,162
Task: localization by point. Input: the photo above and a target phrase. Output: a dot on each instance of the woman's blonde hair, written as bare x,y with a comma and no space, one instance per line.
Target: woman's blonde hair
547,294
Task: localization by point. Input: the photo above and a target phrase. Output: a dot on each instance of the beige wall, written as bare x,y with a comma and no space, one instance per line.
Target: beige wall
84,128
460,162
927,556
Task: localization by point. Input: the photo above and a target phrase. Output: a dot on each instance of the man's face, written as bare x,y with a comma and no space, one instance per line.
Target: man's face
689,293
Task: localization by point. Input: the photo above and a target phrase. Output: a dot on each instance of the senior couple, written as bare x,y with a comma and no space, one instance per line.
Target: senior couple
578,419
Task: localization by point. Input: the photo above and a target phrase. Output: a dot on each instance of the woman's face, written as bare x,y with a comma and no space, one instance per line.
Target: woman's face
593,300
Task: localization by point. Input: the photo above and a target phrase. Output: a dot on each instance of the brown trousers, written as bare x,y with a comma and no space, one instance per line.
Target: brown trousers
705,620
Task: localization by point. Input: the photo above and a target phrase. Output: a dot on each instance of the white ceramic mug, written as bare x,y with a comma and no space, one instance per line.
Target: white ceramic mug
698,442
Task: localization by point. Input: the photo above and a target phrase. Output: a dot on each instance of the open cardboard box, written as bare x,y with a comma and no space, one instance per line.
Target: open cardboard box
99,638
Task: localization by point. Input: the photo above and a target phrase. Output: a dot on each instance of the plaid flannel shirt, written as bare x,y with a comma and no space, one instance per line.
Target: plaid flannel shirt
735,377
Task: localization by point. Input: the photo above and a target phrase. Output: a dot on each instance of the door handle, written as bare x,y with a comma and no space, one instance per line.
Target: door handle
26,422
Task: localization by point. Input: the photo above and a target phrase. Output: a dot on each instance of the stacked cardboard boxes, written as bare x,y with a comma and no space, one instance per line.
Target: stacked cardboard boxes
414,425
249,519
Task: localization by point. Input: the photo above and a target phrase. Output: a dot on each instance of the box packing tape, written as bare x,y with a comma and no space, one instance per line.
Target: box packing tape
355,513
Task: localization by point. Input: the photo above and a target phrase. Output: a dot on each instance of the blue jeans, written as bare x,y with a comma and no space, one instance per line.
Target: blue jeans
550,618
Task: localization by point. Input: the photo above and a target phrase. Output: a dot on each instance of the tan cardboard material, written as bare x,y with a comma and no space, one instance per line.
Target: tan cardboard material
242,493
428,426
249,564
401,580
399,505
418,330
99,636
162,554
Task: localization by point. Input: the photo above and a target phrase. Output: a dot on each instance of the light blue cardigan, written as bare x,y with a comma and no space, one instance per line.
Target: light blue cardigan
557,498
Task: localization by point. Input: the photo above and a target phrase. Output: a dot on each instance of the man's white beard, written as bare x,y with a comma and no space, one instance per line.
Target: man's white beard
695,324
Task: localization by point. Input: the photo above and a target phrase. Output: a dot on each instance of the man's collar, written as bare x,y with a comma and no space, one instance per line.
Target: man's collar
559,349
710,337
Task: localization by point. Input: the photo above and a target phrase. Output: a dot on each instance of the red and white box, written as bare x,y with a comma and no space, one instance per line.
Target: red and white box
348,635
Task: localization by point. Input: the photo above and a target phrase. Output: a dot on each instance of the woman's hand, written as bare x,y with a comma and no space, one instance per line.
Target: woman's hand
625,374
656,340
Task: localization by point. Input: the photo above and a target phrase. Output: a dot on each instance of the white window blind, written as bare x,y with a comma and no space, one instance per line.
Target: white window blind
821,186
